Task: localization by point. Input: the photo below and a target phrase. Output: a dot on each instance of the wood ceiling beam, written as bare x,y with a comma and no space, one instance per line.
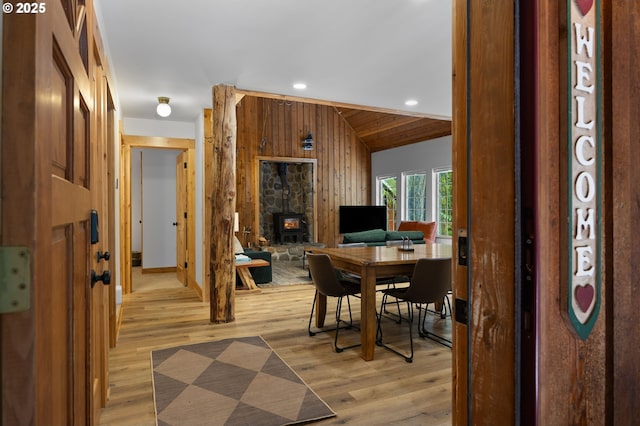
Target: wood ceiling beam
340,104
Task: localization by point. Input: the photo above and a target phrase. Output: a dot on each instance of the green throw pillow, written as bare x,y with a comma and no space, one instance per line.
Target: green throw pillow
373,235
412,235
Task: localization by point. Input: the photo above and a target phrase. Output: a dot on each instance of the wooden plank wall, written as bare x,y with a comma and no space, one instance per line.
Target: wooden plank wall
276,128
622,133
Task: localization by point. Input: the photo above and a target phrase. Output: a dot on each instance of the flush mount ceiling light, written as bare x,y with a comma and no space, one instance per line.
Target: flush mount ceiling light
300,86
411,102
163,109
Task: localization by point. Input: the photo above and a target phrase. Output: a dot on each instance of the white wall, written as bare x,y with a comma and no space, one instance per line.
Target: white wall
159,208
422,156
164,128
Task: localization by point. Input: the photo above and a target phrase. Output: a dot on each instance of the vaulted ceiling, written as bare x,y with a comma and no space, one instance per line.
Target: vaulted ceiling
381,130
367,57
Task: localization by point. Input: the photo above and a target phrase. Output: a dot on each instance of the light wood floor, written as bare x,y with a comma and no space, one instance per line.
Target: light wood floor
161,313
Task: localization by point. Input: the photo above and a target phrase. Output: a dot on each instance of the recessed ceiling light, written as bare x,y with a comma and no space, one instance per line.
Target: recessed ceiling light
411,102
300,86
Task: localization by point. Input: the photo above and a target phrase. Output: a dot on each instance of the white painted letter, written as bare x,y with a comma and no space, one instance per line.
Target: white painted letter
583,262
585,223
584,41
580,150
585,187
583,74
580,122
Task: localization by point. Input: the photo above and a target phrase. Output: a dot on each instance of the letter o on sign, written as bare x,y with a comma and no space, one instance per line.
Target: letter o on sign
585,187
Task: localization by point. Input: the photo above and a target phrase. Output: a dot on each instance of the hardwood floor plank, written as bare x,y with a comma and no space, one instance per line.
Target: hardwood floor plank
386,390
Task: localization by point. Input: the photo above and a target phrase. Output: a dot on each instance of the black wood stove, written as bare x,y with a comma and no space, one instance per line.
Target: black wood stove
288,226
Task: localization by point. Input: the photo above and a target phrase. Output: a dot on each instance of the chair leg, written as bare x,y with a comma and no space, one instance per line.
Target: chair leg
313,333
423,332
379,340
397,303
446,298
338,321
313,306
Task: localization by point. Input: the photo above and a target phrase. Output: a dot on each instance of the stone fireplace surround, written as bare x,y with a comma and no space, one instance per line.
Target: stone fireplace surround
285,187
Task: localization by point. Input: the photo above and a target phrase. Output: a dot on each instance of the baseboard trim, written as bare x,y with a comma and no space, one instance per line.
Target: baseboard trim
158,270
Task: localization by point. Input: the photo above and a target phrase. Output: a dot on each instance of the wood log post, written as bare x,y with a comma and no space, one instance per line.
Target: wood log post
223,204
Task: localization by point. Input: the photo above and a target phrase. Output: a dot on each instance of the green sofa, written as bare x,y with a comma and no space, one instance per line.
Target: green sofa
379,237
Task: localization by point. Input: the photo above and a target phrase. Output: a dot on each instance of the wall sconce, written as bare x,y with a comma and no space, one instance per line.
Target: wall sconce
163,109
307,143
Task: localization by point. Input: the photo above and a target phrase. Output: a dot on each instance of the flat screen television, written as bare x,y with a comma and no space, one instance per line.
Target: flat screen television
362,218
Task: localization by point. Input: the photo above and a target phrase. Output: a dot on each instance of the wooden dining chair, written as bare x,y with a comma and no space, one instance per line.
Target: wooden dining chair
327,282
430,283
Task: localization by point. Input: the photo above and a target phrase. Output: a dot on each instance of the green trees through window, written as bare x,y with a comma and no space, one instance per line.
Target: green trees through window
416,200
415,193
444,201
387,188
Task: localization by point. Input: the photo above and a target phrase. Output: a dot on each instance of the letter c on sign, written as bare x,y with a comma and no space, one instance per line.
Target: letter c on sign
580,150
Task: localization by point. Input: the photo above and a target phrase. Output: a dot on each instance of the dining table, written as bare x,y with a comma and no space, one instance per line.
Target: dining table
370,263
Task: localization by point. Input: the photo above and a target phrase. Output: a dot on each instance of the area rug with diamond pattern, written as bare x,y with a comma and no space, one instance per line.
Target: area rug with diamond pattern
230,382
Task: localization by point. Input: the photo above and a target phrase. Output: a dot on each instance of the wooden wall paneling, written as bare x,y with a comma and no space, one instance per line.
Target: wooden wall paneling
459,165
277,117
284,125
339,135
621,24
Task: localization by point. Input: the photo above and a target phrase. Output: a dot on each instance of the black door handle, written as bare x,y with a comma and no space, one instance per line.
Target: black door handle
106,256
105,277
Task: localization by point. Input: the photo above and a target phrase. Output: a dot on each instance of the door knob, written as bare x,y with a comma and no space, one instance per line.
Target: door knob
106,256
105,277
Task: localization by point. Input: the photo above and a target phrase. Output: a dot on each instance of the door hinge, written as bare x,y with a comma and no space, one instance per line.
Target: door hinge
185,165
15,279
185,215
185,265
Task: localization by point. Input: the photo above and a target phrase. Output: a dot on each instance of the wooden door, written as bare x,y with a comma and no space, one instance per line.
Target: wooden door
181,217
484,213
48,360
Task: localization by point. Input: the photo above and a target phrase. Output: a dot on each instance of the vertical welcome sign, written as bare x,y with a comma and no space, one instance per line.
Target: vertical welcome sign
584,166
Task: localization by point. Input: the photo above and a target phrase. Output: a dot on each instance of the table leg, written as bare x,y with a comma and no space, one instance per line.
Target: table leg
247,281
368,320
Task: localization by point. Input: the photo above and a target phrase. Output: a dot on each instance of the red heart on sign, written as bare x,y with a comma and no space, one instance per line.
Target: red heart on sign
584,6
584,296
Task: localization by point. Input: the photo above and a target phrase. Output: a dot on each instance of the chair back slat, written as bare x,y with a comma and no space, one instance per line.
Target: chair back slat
430,282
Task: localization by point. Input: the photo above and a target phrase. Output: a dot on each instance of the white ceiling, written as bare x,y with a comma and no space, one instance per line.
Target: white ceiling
376,53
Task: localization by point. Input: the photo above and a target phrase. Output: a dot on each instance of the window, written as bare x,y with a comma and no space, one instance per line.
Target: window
416,196
443,203
388,196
